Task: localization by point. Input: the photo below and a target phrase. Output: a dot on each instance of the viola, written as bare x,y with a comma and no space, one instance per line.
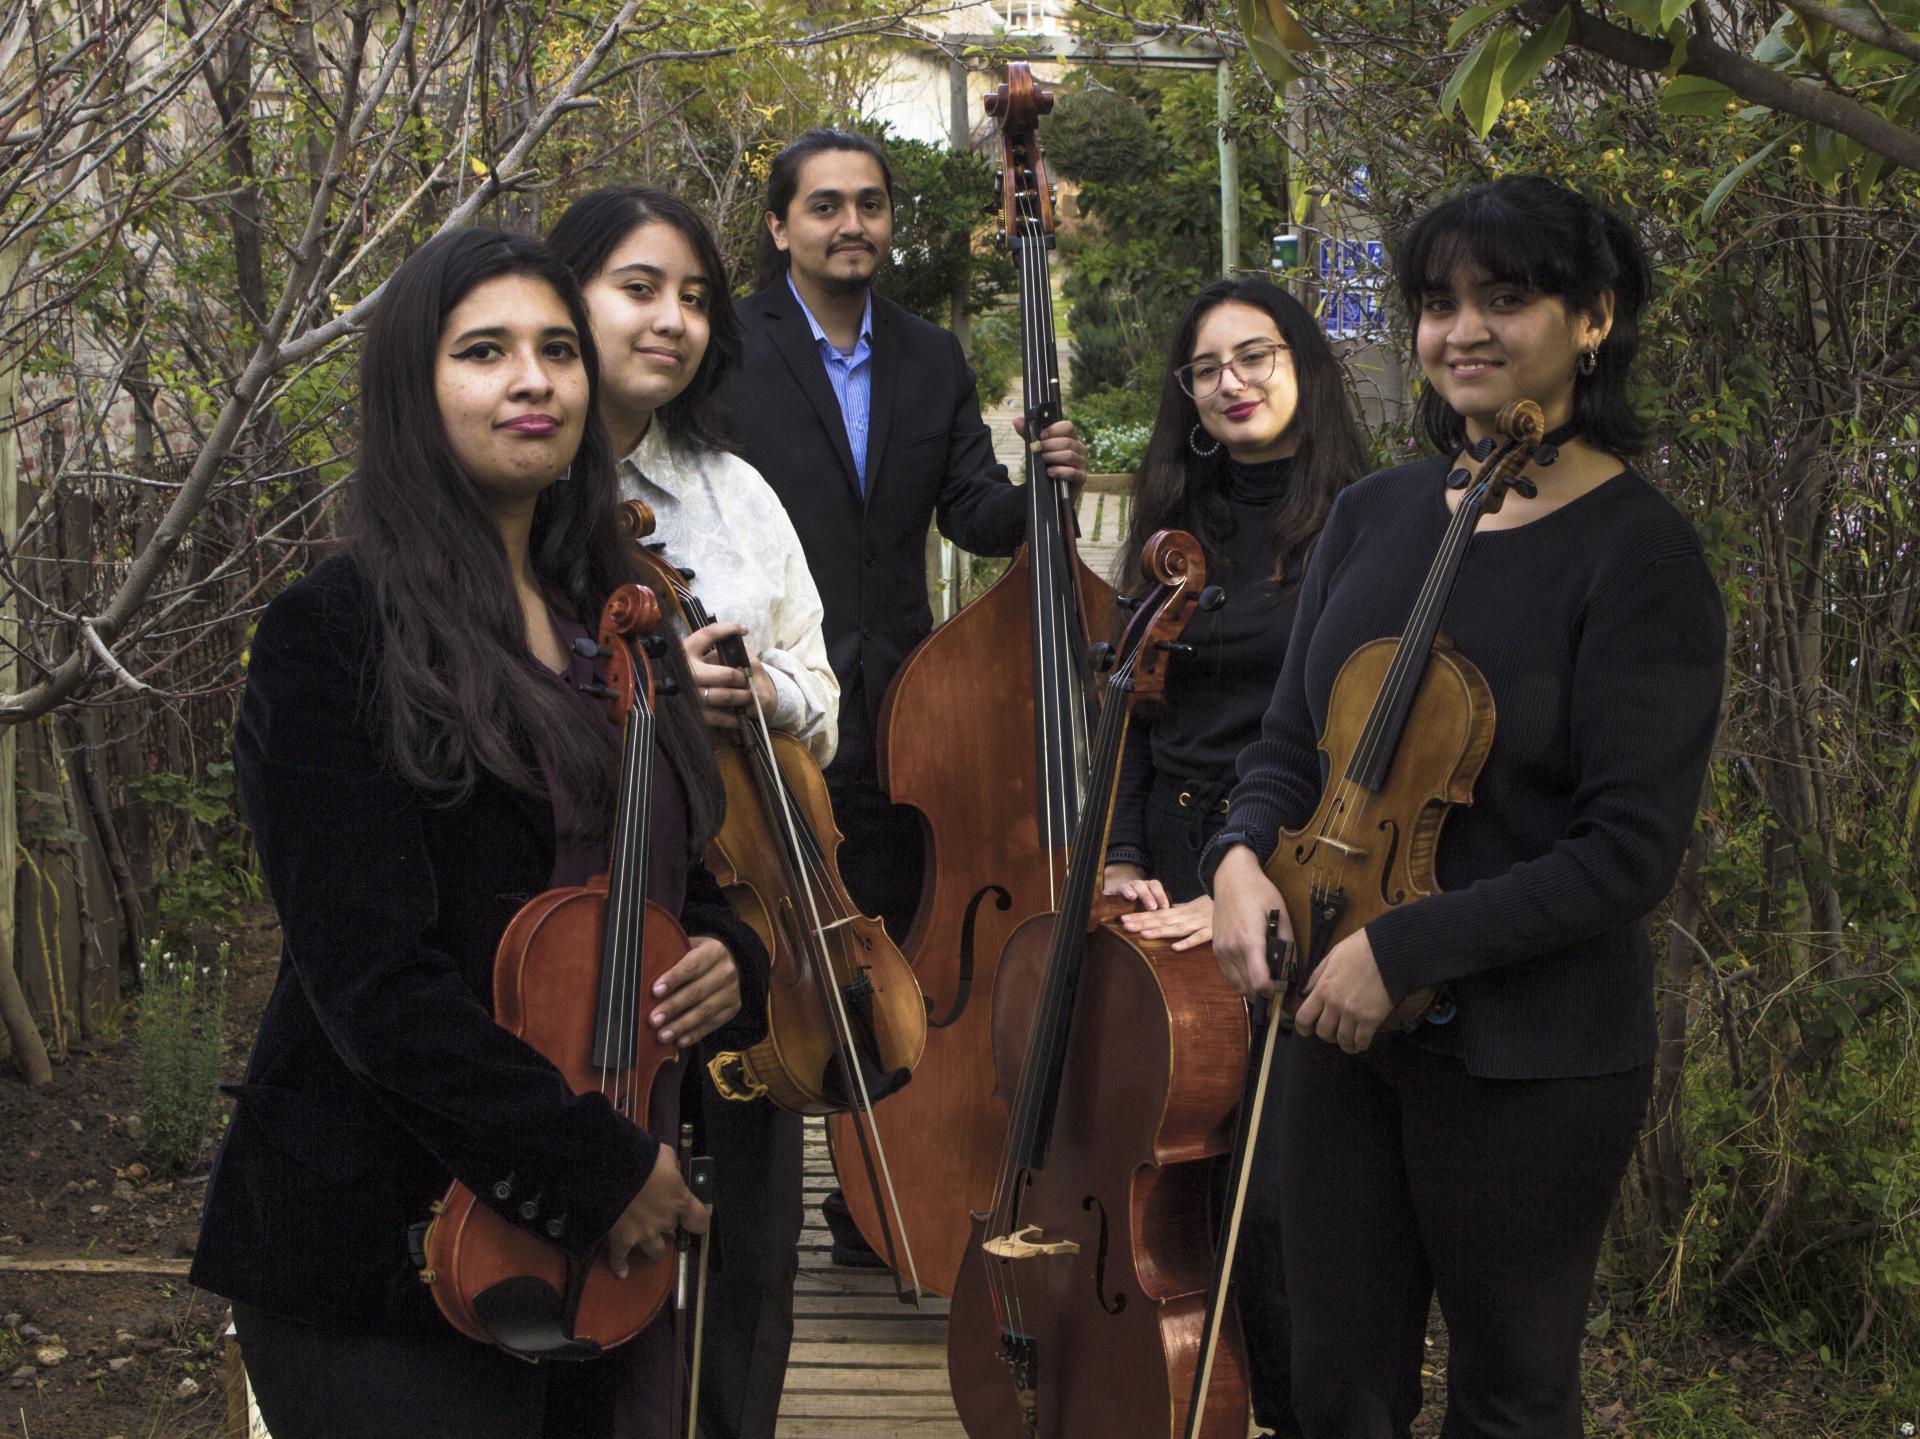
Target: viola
1409,723
571,977
1119,1061
846,1022
986,731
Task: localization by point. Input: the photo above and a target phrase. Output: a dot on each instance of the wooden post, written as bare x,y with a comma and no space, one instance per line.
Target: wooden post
1229,177
959,134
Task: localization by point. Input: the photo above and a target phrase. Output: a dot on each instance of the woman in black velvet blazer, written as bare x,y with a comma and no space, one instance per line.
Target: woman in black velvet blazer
416,761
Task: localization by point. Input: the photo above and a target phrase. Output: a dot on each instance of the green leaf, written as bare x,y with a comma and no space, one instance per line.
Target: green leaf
1276,62
1692,95
1717,196
1484,92
1450,95
1541,46
1829,155
1474,16
1645,12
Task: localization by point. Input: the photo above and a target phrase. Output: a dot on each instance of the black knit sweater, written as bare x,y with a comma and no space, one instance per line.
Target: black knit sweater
1215,696
1602,636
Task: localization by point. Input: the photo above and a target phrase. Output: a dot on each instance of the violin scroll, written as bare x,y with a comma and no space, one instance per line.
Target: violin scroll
1523,428
628,622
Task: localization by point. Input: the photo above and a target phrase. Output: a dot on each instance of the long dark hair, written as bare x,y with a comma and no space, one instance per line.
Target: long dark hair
457,691
592,229
1178,488
1528,231
783,178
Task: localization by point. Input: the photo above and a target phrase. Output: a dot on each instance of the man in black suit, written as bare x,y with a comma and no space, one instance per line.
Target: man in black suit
864,420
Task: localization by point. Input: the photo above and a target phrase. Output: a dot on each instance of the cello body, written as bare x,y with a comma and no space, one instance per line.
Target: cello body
1153,1078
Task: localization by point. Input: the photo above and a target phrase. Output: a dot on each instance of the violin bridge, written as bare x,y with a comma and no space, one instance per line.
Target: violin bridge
1023,1244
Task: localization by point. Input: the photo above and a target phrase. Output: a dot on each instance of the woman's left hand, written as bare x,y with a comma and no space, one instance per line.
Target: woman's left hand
696,996
1188,925
1346,1001
725,690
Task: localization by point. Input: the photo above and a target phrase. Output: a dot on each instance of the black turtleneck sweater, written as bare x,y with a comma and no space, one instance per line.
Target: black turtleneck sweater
1216,695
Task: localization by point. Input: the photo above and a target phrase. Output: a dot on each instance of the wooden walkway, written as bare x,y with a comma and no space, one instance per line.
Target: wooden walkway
863,1365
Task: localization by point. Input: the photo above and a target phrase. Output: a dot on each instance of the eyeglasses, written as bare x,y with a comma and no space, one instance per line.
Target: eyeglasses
1254,365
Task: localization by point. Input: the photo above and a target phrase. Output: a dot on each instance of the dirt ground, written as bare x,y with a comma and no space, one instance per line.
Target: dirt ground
98,1354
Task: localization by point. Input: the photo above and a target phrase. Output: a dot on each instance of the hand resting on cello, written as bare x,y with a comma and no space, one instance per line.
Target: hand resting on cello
1187,925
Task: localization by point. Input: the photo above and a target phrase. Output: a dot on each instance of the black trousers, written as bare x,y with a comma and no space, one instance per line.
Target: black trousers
1398,1175
324,1384
884,855
757,1150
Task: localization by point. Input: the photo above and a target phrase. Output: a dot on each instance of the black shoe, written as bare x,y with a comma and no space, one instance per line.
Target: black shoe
847,1257
850,1247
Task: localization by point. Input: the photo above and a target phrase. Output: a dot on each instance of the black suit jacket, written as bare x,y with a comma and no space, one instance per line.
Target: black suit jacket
929,455
378,1073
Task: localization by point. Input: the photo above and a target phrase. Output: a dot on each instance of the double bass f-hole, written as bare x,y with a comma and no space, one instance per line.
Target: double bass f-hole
963,989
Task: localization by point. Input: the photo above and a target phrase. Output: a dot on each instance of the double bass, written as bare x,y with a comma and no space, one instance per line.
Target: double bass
986,730
1409,724
1078,1309
846,1023
571,977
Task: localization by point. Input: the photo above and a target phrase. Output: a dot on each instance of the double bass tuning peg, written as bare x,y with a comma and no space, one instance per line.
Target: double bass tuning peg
1100,656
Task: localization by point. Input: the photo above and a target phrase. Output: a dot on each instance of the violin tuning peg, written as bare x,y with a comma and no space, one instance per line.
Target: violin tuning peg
1211,598
653,645
595,689
1127,602
1527,488
1101,657
1458,479
1174,647
687,575
589,650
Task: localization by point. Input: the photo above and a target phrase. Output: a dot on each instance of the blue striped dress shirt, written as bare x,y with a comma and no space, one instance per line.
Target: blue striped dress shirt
851,377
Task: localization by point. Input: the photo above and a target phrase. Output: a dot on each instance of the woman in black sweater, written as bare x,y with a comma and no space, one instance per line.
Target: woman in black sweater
417,758
1253,440
1478,1156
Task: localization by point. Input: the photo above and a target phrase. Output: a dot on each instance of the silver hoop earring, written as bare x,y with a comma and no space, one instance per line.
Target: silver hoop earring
1193,443
1589,360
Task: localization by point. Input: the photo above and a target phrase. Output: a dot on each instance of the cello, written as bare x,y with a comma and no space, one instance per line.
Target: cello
846,1023
1077,1311
570,977
1409,724
996,851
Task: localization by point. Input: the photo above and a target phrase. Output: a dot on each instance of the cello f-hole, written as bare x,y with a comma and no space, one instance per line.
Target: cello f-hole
1118,1303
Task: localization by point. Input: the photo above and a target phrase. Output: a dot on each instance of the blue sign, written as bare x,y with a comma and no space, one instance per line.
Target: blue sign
1353,276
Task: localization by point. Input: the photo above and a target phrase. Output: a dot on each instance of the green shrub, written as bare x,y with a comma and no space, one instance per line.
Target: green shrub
996,355
177,1053
1116,424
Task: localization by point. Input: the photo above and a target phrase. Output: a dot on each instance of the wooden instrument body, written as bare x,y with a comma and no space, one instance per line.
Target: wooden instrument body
544,986
1154,1074
1390,836
956,739
792,1061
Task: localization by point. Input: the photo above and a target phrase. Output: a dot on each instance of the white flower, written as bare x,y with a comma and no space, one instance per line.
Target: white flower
1907,1429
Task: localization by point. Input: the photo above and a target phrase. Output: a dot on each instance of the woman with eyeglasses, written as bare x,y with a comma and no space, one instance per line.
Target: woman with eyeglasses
1253,440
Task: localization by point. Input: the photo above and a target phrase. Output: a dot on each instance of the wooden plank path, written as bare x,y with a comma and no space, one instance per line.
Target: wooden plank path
863,1365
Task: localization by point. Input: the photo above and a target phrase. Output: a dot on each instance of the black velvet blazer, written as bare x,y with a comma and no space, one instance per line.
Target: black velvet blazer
929,455
378,1074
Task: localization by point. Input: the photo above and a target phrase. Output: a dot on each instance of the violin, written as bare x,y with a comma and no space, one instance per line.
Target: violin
570,977
986,731
1119,1062
846,1022
1409,724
